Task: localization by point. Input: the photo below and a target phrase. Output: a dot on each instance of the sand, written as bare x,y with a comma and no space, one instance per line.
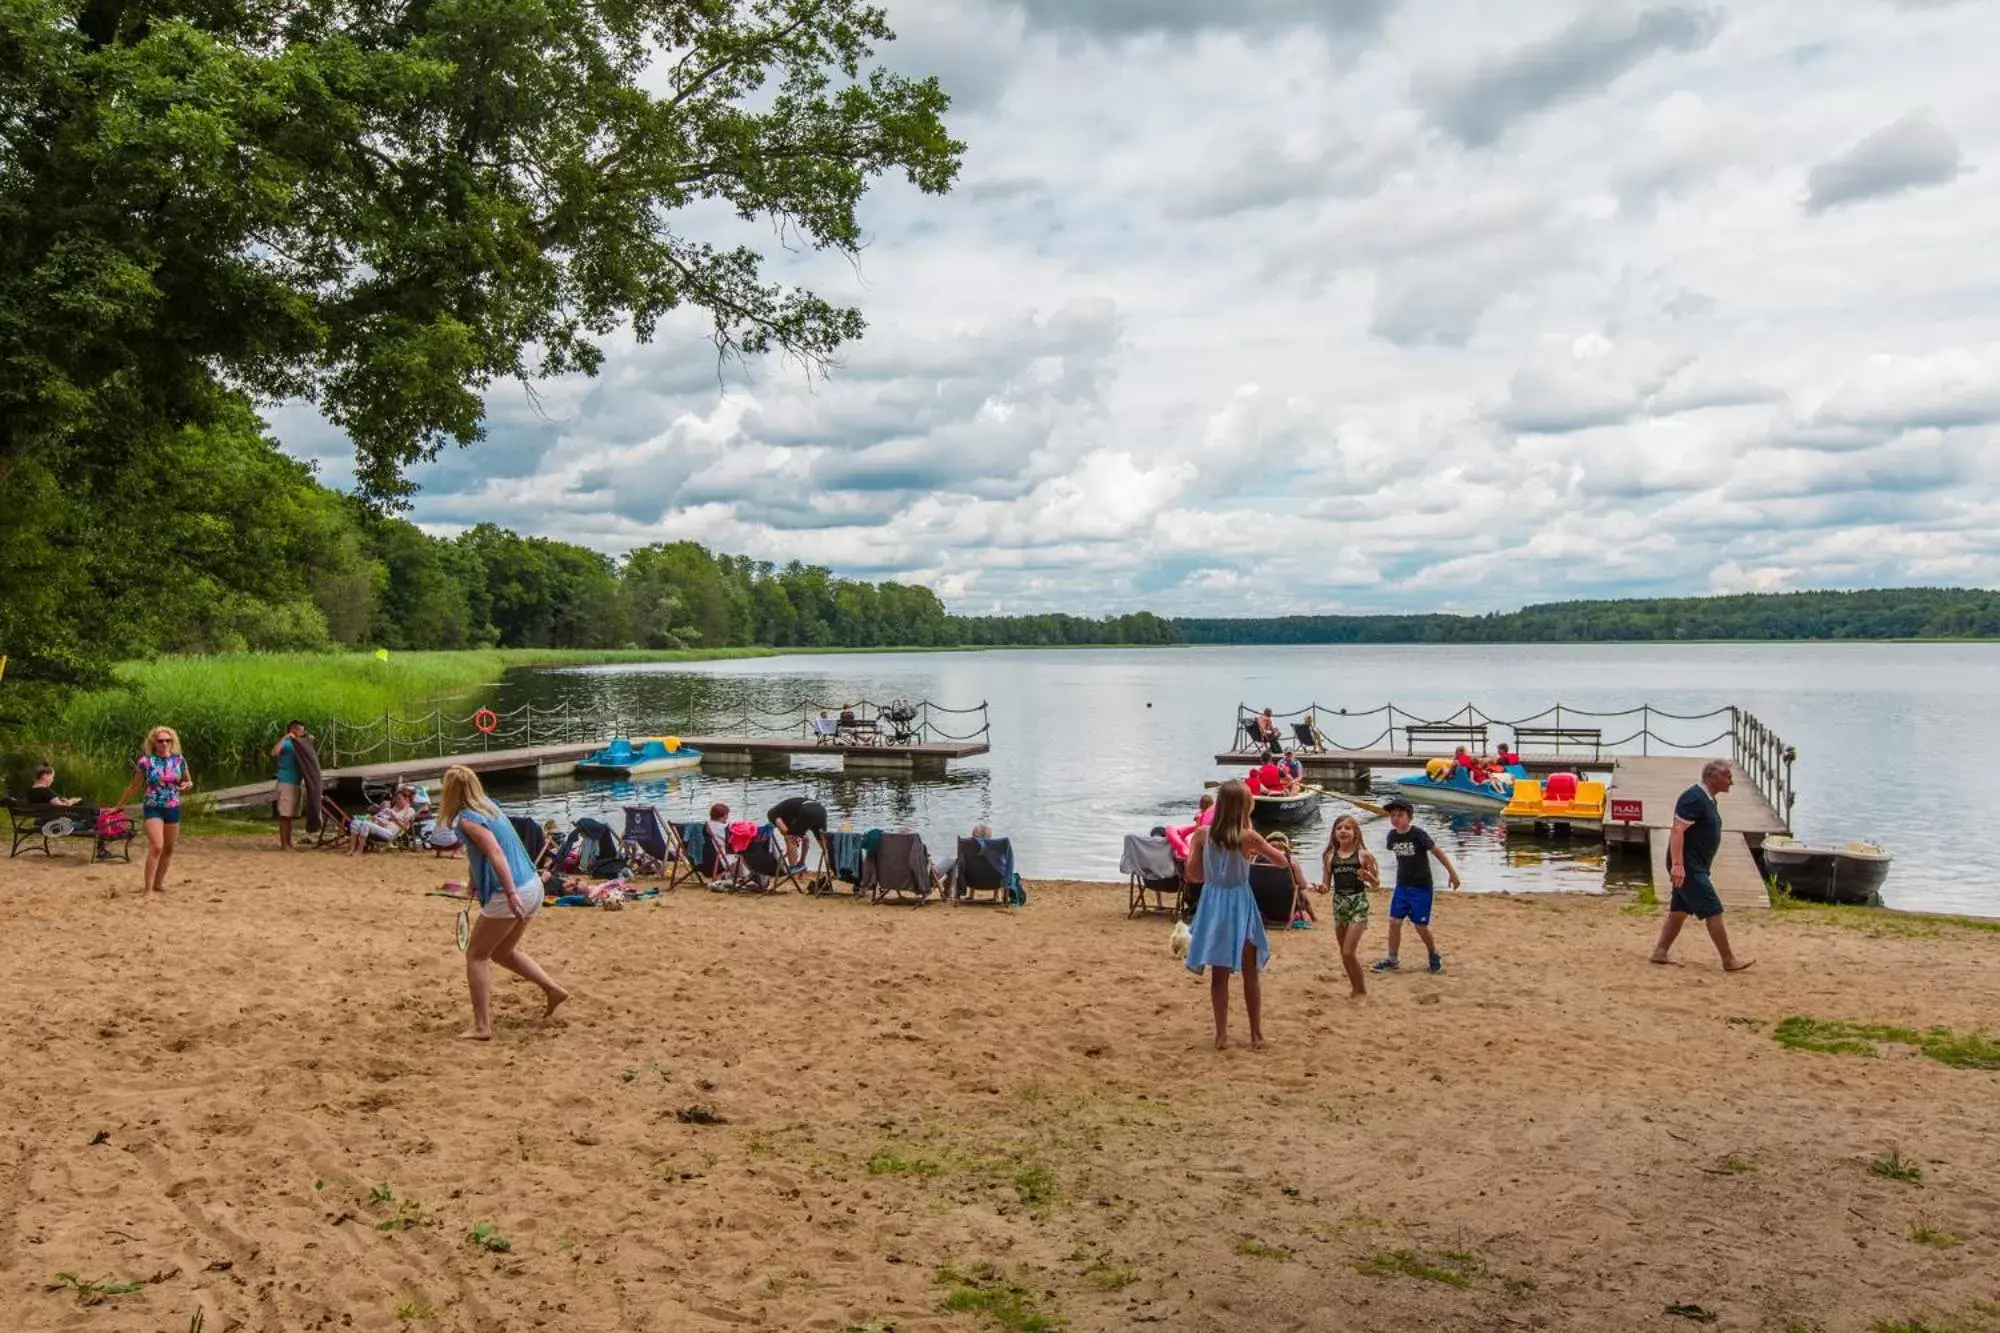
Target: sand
248,1098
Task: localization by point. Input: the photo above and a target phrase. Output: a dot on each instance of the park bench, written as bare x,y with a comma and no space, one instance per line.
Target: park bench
49,824
856,731
1471,734
1561,736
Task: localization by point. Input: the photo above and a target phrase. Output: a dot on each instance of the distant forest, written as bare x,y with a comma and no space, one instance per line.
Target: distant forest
1878,613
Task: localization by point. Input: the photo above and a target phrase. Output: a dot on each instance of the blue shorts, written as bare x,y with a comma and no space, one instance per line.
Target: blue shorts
1412,903
1697,897
164,814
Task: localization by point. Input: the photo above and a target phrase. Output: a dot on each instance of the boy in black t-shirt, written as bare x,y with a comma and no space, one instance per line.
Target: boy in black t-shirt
1413,850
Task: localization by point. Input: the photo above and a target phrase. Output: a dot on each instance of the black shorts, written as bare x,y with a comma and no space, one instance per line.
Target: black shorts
1697,897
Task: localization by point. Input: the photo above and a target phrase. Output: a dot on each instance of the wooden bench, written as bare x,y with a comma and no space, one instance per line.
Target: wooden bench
1471,734
48,824
1560,736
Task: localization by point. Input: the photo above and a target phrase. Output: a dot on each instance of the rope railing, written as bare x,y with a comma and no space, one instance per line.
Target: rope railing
1760,757
393,736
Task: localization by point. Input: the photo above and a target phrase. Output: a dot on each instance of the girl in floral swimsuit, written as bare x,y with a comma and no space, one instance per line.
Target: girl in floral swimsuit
1350,873
163,772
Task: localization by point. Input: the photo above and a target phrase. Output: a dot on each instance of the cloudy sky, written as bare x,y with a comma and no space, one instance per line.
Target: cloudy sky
1296,306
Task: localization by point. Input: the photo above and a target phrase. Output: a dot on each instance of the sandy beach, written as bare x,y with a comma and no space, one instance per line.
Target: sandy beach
247,1098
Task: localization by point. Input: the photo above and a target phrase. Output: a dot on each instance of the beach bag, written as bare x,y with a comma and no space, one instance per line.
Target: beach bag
113,823
1017,893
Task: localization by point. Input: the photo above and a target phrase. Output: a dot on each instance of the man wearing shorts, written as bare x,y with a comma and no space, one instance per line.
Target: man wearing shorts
1691,852
795,817
289,778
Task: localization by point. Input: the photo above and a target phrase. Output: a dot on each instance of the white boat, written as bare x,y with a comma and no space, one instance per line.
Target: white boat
653,754
1851,873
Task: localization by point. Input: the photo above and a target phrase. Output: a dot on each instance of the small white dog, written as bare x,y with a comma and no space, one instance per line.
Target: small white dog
1177,943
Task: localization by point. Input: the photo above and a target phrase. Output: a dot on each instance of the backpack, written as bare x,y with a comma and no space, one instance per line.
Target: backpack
113,823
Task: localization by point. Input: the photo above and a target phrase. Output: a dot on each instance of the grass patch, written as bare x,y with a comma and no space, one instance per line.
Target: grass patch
1257,1249
1876,920
1970,1050
487,1236
1924,1234
1978,1317
413,1309
1037,1186
409,1216
1645,901
1891,1166
887,1163
984,1289
1106,1275
92,1291
1737,1166
1453,1268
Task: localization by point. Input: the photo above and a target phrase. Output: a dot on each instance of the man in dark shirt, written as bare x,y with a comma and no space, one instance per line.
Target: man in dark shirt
44,790
795,817
1690,857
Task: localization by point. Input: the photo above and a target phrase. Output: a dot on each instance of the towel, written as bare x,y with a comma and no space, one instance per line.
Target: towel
844,850
1148,858
312,782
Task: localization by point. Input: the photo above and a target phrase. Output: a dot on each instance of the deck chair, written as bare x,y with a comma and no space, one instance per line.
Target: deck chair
900,866
533,840
333,820
1275,893
984,865
760,867
597,852
1151,868
844,860
815,879
644,839
1308,739
826,731
695,857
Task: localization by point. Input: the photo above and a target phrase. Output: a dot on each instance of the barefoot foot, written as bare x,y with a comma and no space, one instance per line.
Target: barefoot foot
556,996
474,1034
1742,965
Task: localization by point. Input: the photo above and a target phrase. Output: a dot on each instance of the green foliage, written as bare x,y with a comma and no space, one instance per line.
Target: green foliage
1257,1249
984,1289
1891,1166
1972,1050
487,1236
92,1291
1880,613
888,1163
388,208
1452,1269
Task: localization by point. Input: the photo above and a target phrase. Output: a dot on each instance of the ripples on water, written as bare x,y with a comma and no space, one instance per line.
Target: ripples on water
1089,745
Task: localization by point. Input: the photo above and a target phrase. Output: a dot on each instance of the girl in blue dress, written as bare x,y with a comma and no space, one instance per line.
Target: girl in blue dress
509,891
163,772
1228,932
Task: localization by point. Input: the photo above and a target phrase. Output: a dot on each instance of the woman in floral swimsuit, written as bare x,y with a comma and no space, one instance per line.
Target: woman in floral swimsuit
163,772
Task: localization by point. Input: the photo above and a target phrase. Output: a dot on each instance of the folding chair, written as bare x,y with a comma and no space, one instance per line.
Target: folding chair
1307,735
985,865
643,836
844,861
816,880
333,821
900,866
695,856
1152,868
1276,894
760,867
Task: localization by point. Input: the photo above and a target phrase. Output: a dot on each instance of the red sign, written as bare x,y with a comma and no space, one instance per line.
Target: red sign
1627,812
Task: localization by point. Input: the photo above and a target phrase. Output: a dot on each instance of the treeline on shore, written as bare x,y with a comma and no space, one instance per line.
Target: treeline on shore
1875,613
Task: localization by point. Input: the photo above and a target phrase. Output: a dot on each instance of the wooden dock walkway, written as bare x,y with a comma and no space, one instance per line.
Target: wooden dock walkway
549,761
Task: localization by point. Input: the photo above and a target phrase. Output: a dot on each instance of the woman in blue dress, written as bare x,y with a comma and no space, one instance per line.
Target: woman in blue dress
1228,932
510,893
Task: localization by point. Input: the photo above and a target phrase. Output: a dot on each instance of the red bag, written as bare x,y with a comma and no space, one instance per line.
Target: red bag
113,823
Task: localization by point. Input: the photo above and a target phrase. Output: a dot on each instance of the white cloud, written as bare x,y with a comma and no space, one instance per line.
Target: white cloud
1292,306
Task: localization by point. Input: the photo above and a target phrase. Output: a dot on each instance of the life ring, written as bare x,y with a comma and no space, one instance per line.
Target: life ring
485,720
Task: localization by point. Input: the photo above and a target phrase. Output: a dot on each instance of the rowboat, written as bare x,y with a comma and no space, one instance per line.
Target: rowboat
624,759
1294,808
1851,874
1458,791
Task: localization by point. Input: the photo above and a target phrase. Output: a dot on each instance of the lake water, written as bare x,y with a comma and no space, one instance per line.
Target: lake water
1892,739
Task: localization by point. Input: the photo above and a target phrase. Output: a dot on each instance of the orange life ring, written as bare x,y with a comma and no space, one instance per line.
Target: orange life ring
485,720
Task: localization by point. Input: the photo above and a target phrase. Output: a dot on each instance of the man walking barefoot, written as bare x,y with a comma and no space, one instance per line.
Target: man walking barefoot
1690,856
286,752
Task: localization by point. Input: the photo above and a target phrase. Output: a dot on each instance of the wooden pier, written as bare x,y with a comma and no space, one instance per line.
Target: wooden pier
1654,781
533,763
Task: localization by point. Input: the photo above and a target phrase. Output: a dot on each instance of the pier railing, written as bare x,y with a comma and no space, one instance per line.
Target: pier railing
395,736
1761,758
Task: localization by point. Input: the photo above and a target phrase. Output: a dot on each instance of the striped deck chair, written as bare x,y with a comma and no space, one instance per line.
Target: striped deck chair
694,856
